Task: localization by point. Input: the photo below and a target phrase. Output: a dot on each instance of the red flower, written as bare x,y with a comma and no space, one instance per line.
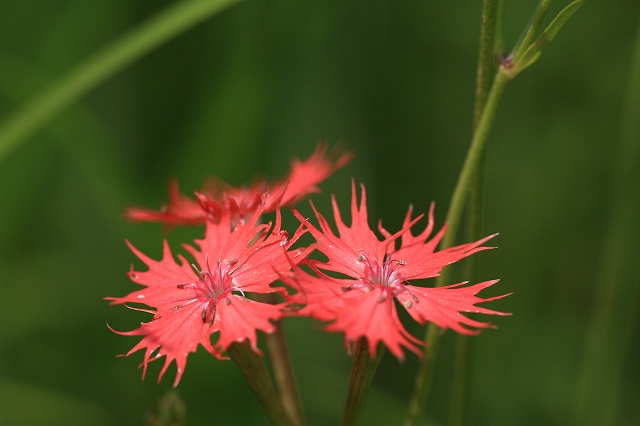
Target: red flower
362,305
217,196
193,302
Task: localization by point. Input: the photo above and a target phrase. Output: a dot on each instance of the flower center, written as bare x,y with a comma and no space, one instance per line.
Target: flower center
213,285
388,276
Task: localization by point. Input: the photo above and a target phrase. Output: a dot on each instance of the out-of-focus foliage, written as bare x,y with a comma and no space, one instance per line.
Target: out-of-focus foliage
239,96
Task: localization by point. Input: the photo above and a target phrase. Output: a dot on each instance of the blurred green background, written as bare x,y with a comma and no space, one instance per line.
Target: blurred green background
239,96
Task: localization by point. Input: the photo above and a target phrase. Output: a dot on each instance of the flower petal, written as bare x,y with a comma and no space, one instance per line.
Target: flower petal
217,196
444,306
180,210
373,315
305,175
238,318
174,335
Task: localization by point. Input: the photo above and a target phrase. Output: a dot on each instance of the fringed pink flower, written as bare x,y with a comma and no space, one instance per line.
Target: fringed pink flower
369,275
217,196
193,301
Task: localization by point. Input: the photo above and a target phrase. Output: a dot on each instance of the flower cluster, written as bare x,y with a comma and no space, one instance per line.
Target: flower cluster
354,290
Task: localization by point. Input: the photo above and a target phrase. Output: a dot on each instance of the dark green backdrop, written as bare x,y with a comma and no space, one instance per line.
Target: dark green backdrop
237,97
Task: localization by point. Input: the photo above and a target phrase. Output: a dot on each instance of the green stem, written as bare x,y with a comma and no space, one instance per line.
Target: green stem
490,38
498,41
531,33
470,181
175,19
617,288
486,56
423,380
461,381
461,385
254,371
283,374
474,158
362,372
281,365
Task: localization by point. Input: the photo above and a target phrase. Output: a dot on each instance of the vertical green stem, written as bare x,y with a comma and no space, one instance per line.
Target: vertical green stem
470,182
473,159
486,56
281,366
469,169
498,41
283,374
362,372
423,379
617,288
254,371
175,19
461,384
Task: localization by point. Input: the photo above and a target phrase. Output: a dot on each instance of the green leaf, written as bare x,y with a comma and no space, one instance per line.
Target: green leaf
533,52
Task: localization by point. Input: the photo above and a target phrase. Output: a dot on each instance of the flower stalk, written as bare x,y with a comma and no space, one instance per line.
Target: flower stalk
281,365
461,383
362,372
490,48
254,371
527,51
475,154
469,171
487,55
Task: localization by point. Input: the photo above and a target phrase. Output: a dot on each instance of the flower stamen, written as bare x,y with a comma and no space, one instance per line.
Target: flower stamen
212,286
